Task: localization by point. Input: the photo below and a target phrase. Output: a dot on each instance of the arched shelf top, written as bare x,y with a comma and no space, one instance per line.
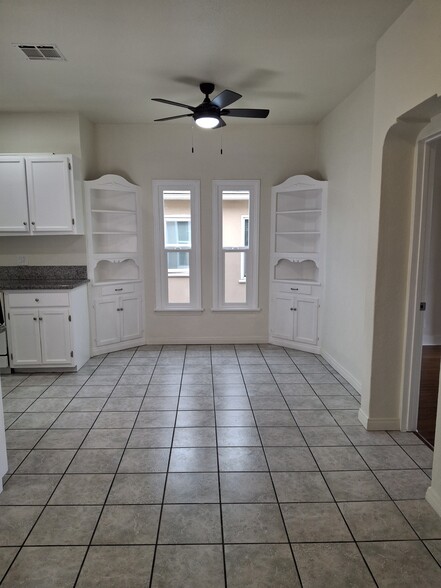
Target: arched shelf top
111,182
299,182
294,259
128,260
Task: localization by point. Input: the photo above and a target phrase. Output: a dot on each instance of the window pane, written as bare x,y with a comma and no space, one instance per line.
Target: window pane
235,206
178,261
177,232
178,277
235,286
177,217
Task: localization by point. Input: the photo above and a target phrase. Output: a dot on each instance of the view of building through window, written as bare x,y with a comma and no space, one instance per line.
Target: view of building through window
177,244
235,230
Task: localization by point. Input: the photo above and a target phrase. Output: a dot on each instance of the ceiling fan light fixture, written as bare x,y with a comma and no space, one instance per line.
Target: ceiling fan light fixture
207,122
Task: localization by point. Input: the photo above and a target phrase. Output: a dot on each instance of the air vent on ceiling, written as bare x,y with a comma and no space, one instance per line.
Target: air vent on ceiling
42,52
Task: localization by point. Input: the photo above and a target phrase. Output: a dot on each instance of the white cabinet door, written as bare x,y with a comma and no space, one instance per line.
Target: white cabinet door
107,321
14,216
282,316
131,327
24,334
305,324
50,196
55,336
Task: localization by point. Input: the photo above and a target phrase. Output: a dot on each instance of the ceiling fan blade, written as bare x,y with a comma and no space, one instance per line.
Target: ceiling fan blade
246,112
226,98
172,117
174,103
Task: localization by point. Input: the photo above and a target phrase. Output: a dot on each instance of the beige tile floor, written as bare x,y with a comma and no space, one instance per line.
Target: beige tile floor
198,466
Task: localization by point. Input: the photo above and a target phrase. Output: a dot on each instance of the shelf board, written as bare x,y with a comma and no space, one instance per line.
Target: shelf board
109,282
297,233
113,233
298,211
312,255
113,211
297,281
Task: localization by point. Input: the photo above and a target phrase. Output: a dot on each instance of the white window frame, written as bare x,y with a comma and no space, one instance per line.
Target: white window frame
252,252
194,250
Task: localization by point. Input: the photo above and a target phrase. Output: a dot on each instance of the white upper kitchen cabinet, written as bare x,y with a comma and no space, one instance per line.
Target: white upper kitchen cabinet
40,195
14,213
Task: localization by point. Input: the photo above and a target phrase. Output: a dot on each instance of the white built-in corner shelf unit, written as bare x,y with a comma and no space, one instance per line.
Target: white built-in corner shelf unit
115,263
297,273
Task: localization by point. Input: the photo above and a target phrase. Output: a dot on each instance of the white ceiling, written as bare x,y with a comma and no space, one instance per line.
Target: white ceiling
299,58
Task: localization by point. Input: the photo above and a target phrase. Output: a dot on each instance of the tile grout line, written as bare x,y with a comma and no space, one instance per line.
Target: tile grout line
218,476
155,549
112,481
270,474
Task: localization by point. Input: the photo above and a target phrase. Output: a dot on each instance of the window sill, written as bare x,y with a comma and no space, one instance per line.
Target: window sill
236,309
179,309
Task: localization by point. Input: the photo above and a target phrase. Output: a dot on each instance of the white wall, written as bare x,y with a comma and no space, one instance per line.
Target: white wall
46,133
345,149
408,73
142,153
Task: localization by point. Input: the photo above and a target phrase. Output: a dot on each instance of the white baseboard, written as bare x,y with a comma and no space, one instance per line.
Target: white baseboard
116,347
378,424
195,340
294,345
342,371
434,499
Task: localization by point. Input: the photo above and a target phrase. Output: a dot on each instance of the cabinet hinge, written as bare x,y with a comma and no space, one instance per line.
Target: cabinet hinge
73,221
9,316
70,319
71,353
69,165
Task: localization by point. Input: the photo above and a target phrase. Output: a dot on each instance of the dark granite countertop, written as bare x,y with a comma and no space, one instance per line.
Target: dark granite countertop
47,277
6,284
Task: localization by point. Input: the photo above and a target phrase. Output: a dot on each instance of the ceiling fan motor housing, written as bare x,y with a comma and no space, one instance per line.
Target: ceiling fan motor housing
207,88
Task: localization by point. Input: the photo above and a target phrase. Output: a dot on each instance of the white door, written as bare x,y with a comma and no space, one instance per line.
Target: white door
131,327
282,316
55,336
305,324
50,196
24,335
107,321
14,216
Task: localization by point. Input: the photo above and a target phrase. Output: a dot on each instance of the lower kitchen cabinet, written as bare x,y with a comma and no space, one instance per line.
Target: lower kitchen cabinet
294,318
48,328
117,318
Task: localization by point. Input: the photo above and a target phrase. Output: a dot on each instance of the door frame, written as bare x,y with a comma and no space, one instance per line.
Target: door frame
421,214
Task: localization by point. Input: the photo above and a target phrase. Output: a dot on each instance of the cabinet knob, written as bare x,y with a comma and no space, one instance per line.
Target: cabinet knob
40,318
293,308
118,289
25,223
37,300
295,289
33,223
35,318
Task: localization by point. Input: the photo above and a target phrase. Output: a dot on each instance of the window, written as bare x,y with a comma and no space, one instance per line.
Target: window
235,244
177,245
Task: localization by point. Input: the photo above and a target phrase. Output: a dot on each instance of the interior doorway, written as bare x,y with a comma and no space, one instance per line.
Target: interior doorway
429,333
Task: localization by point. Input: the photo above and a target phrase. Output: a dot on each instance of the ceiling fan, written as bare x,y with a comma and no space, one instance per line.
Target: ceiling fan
209,113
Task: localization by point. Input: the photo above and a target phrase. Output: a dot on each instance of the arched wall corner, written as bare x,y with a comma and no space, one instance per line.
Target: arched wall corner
382,402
